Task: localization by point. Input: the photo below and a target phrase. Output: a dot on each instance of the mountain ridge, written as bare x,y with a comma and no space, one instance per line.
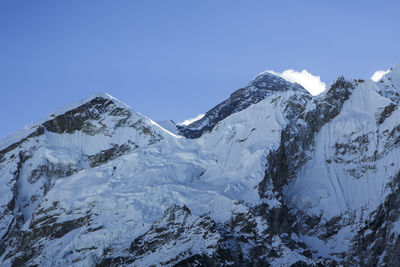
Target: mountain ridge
271,176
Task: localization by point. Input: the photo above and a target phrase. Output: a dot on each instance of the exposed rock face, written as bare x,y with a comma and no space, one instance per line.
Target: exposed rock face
378,241
28,244
109,154
297,139
78,119
270,177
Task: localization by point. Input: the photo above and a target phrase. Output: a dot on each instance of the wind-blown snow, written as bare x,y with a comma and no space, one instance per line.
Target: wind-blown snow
189,121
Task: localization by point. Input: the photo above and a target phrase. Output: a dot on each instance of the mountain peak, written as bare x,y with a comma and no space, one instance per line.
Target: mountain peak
100,95
389,82
90,106
262,86
269,81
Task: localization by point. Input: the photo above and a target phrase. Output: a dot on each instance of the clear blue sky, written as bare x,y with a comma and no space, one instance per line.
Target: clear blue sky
176,59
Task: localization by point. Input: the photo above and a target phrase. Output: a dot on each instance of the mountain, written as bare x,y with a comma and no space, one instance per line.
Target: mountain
272,176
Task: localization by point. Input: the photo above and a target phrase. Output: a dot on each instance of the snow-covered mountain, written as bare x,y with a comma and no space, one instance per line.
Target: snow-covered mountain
270,176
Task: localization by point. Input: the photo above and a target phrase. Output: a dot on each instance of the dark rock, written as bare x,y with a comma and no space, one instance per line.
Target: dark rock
75,119
109,154
386,113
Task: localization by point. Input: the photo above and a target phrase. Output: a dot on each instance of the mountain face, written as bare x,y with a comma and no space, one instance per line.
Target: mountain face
271,176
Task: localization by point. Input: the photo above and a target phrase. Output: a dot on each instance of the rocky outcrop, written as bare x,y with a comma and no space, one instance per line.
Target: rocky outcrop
179,239
27,244
182,239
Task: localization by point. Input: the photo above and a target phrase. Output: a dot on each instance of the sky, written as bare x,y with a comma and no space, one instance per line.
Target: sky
177,59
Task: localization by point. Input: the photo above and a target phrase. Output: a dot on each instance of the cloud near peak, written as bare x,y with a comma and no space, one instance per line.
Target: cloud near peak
379,74
310,82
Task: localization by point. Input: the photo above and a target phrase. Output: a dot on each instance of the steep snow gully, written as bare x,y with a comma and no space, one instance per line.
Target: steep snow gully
272,176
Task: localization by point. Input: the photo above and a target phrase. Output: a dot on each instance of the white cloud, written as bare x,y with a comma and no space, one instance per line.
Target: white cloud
189,121
312,83
379,74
